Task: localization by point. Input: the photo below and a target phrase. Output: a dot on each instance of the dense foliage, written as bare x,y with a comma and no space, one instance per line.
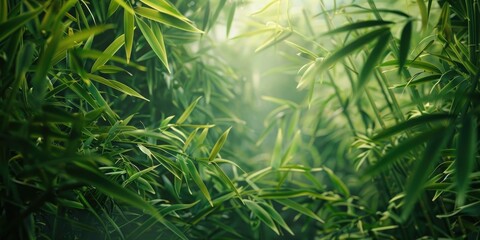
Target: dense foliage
137,120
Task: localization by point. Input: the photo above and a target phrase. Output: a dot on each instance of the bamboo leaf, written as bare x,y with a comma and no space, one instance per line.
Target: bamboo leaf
423,13
90,176
156,44
414,64
358,25
337,182
375,56
116,85
466,155
167,19
350,48
109,52
262,214
218,145
230,17
410,123
129,30
13,24
275,161
193,172
422,169
188,111
125,6
165,7
138,174
401,150
276,217
405,44
299,208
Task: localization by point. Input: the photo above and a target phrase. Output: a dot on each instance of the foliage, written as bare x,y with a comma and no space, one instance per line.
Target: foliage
127,119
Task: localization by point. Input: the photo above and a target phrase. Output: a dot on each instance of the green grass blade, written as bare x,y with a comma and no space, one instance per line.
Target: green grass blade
466,155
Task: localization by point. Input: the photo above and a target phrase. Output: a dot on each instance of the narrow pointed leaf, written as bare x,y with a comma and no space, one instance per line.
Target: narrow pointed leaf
116,85
157,46
405,39
167,19
188,111
351,47
358,25
129,29
466,154
109,52
13,24
218,145
375,56
262,214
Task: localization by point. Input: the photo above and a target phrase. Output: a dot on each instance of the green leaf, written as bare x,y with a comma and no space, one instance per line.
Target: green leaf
423,169
188,111
167,19
155,43
116,85
466,155
262,214
109,52
165,7
375,56
13,24
299,208
414,64
276,217
423,13
138,174
402,149
404,44
129,30
125,6
358,25
275,161
351,47
218,145
193,172
337,182
410,123
230,17
91,176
